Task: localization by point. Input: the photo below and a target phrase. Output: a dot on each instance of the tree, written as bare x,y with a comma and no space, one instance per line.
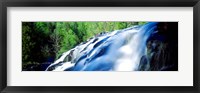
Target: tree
27,44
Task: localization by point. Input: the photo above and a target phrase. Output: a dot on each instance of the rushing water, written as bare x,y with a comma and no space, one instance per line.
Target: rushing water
119,50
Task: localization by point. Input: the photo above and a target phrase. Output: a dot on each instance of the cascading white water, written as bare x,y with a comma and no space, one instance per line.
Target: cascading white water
119,50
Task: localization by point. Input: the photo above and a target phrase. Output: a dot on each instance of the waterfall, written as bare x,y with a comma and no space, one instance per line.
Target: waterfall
119,50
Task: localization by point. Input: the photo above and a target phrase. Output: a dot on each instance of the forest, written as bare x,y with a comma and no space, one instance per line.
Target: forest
44,42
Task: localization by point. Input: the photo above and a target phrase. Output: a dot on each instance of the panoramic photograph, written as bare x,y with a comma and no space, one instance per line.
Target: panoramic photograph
100,46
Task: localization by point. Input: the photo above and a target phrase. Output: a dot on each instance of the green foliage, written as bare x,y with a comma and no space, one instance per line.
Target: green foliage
27,44
142,23
44,40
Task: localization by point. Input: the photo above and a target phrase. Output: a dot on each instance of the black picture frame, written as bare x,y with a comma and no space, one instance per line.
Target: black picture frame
101,3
